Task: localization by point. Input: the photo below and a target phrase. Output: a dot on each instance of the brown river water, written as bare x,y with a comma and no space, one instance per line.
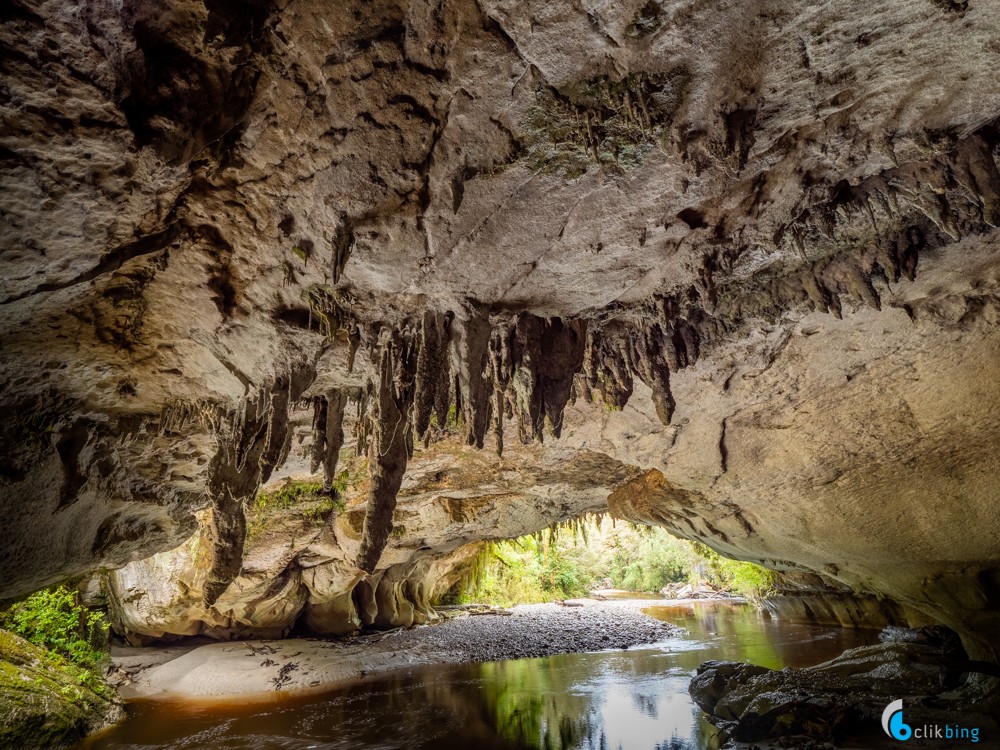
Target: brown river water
633,700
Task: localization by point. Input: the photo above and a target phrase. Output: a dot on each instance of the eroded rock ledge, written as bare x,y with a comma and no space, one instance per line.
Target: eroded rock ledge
747,251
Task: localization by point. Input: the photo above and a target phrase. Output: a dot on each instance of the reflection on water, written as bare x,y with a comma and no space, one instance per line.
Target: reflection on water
634,700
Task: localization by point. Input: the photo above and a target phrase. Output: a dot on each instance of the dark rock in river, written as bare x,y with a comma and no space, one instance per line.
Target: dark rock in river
846,695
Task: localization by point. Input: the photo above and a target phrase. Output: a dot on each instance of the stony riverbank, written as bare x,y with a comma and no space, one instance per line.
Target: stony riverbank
219,670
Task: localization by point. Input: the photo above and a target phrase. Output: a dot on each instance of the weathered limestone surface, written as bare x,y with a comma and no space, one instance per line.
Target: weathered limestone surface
755,241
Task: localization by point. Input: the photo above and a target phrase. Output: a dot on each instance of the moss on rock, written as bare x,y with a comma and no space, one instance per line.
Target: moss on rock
47,702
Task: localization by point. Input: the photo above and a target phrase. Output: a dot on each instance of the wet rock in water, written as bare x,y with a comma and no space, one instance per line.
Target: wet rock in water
844,696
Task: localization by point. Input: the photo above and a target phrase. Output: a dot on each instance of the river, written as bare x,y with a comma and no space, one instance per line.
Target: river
634,700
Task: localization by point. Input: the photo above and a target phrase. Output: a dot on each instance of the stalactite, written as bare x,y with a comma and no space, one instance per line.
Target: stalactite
606,366
426,379
559,359
907,249
859,282
816,291
688,337
279,435
470,343
333,436
977,170
432,359
250,446
354,340
363,428
526,348
443,389
652,369
390,445
320,408
501,370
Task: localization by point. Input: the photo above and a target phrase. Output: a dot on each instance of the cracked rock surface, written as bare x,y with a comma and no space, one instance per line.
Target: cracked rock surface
746,250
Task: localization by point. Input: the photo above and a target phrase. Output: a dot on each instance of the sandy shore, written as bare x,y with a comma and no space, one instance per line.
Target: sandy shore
245,668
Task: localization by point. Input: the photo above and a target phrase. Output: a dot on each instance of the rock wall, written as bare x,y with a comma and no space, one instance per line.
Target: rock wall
746,249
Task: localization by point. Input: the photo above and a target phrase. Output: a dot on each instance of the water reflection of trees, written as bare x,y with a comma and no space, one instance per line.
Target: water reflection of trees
562,703
636,699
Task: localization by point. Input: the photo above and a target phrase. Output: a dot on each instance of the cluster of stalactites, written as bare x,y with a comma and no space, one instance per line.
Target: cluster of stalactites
875,231
649,350
328,434
531,365
522,370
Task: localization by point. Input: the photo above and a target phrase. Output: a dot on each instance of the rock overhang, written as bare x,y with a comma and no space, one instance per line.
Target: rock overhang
188,230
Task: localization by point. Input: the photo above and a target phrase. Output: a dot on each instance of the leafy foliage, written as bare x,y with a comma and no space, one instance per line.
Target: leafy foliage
555,564
746,579
55,620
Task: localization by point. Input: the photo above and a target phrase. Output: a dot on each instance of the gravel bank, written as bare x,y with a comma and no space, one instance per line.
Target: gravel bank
245,668
543,629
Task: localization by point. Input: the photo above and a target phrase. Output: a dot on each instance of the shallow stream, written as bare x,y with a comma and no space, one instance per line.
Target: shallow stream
634,700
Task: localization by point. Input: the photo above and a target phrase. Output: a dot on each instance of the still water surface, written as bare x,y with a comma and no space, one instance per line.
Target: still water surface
634,700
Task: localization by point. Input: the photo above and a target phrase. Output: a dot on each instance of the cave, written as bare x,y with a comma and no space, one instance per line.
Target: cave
427,275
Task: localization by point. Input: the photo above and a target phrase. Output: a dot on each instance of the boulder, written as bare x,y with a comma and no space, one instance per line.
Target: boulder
46,702
844,696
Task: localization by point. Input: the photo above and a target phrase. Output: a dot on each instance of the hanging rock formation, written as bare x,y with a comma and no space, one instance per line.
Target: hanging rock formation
748,251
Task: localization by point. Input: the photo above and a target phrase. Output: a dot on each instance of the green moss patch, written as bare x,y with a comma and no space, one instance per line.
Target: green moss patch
45,701
305,499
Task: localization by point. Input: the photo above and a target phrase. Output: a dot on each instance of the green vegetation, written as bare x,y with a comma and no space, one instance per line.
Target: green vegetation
55,620
570,559
751,581
451,421
52,655
307,498
45,700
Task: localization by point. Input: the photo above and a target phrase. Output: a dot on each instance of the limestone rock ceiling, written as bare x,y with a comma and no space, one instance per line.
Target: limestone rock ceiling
769,225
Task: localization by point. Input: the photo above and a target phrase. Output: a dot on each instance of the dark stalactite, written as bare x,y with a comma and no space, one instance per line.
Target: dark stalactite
501,370
432,361
654,372
442,390
320,409
328,434
561,358
389,445
334,436
606,368
470,339
248,453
